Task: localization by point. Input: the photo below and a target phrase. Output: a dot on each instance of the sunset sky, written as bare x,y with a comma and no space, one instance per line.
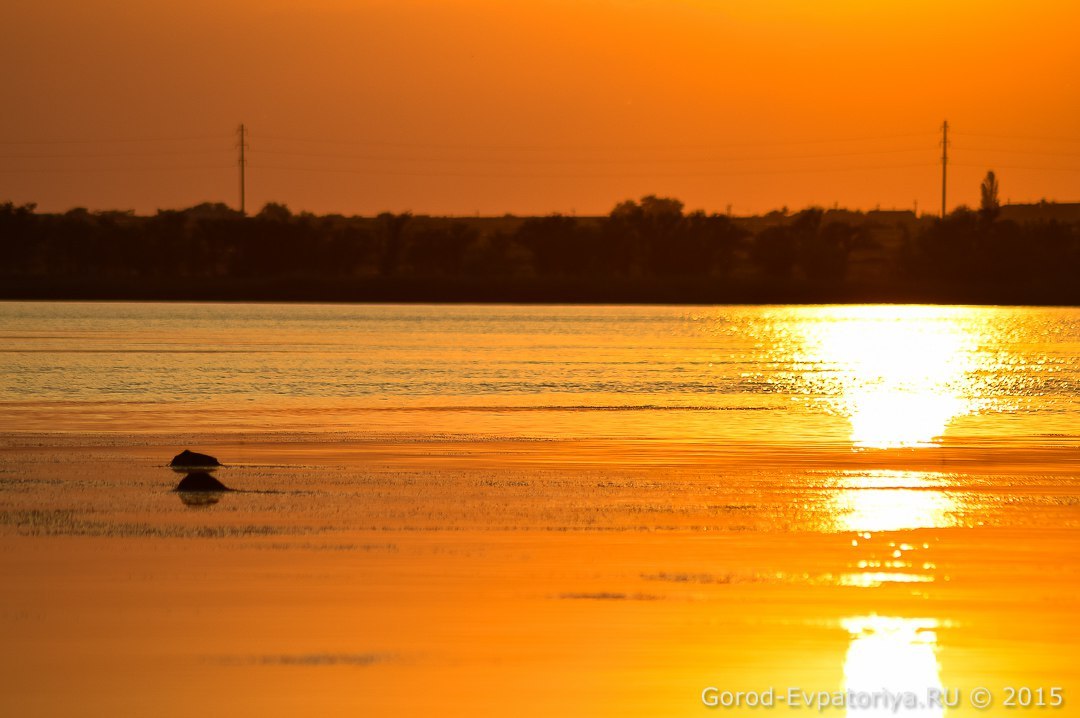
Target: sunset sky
536,106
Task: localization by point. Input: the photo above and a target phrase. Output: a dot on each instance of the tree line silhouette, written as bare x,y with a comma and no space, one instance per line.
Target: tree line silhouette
645,250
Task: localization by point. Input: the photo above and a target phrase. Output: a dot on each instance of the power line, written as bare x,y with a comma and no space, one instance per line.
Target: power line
116,140
585,148
581,175
944,162
585,165
625,160
61,170
1020,152
243,167
1019,167
101,155
1018,137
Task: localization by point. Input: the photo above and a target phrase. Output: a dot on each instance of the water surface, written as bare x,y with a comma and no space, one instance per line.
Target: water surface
866,376
538,511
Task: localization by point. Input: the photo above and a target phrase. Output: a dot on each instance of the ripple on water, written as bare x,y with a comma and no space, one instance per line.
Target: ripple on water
64,522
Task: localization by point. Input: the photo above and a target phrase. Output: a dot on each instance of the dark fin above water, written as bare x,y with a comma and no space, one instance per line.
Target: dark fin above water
192,458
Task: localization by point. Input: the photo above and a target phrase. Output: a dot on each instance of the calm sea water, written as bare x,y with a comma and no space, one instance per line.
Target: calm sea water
412,576
864,375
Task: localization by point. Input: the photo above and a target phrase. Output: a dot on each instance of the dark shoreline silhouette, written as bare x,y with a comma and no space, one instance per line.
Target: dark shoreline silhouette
646,251
478,292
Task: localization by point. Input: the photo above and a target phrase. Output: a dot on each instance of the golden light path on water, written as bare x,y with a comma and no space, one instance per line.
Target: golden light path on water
891,659
891,500
899,374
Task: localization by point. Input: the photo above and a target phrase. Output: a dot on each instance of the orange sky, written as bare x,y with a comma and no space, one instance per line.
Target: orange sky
536,106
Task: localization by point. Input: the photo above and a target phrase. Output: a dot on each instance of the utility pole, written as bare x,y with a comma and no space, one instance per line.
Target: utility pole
944,162
243,166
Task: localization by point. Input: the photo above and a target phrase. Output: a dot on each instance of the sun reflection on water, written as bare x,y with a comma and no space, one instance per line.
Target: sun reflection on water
886,500
897,655
900,375
893,509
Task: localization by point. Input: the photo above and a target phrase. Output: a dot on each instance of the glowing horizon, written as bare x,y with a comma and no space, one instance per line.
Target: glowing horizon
478,106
